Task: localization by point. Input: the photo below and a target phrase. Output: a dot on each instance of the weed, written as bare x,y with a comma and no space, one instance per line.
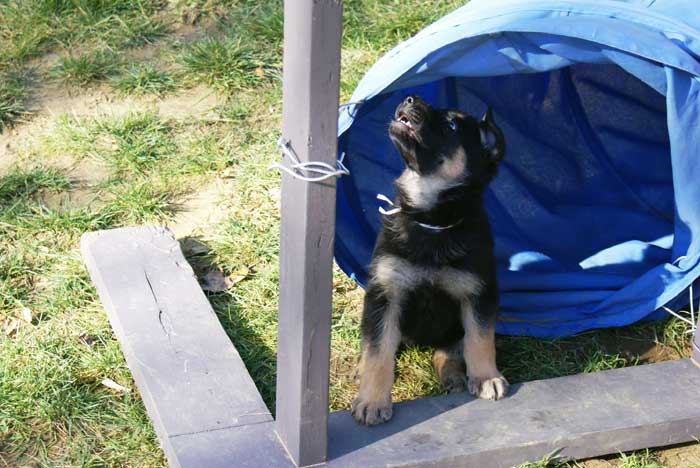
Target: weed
144,79
13,96
228,64
86,68
31,27
644,459
19,183
138,142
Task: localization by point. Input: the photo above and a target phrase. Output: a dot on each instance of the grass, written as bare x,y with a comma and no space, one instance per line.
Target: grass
86,68
641,459
143,165
228,64
20,185
31,27
13,96
144,79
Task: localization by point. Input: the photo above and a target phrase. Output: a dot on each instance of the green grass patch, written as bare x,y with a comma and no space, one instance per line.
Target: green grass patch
55,412
87,68
19,184
259,21
228,64
133,32
13,98
641,459
139,203
144,79
379,25
194,11
136,142
31,27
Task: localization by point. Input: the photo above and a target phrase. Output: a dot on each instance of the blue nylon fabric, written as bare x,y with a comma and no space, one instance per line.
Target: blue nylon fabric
596,208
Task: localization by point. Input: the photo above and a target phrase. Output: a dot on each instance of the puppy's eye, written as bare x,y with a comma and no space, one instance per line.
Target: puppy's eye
452,124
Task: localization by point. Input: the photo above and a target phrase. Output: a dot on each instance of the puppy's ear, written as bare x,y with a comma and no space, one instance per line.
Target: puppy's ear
492,139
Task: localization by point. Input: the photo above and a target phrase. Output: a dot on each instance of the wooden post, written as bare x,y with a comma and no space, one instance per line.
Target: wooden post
312,30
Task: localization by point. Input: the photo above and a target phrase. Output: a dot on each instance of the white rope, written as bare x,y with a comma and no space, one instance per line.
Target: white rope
384,198
690,321
692,307
298,168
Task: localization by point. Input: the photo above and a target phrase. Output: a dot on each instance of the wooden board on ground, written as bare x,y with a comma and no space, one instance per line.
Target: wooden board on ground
578,416
190,376
208,413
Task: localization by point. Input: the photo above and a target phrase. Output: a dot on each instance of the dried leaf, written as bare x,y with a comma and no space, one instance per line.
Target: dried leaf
109,383
12,327
215,281
238,276
259,71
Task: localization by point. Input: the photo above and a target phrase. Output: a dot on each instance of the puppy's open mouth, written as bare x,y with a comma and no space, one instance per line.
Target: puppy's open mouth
405,123
404,120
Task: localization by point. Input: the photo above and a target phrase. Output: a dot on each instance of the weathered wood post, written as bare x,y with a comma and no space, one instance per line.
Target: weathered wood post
312,30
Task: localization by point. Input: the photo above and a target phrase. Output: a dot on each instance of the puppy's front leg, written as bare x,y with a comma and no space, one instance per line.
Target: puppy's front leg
484,379
380,340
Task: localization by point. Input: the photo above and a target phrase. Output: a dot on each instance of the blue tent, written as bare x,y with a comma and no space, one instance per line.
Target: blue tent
596,209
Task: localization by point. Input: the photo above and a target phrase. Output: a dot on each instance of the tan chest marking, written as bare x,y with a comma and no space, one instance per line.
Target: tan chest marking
423,191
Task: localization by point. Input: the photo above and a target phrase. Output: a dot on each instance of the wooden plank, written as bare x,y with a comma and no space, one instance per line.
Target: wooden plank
581,416
253,446
190,376
312,31
207,411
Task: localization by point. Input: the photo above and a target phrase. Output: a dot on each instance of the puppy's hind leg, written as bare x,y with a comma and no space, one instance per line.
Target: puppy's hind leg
484,379
450,368
380,340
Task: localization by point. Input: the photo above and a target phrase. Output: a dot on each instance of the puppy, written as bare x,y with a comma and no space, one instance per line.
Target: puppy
432,280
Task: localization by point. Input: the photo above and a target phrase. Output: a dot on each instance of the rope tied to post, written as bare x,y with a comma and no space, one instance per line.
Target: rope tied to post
311,171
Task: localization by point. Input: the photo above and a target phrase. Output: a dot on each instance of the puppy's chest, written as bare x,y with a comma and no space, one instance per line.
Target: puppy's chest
398,276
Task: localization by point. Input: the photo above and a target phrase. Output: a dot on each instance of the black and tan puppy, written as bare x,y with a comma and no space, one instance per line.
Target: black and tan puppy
432,280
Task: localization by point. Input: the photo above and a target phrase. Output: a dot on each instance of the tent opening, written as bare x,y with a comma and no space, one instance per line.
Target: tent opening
589,229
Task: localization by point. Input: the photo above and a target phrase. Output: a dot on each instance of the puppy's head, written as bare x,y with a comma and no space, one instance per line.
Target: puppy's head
446,144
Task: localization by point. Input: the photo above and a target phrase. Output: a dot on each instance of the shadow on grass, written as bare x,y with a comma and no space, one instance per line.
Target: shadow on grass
260,359
524,359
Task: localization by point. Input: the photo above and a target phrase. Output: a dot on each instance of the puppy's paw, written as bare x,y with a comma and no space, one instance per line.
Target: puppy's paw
454,382
488,388
370,413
